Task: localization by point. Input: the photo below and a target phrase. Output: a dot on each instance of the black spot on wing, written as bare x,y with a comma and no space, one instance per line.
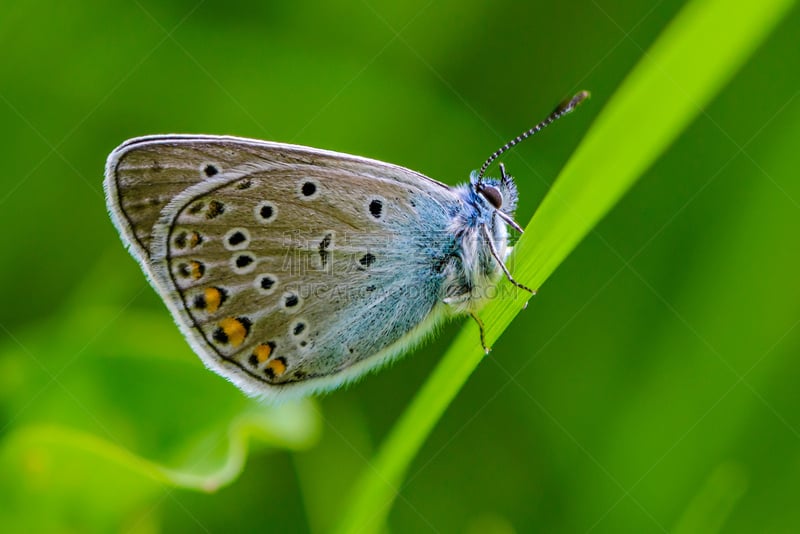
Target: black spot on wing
323,249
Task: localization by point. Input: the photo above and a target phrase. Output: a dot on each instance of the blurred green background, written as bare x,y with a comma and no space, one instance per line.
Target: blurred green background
651,386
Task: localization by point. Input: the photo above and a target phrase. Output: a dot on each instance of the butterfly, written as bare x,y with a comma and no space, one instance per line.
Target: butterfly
293,270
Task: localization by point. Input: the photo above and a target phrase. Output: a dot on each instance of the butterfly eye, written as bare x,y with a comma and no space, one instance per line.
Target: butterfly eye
492,194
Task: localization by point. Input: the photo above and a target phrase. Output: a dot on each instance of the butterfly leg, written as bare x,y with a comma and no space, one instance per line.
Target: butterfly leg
508,220
502,264
483,338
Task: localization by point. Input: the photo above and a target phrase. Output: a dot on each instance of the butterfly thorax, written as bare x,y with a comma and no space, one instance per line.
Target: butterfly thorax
471,278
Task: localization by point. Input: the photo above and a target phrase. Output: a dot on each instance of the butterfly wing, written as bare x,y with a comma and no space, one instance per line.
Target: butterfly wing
288,268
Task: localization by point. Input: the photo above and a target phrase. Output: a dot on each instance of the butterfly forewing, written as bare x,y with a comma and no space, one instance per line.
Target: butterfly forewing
283,265
148,172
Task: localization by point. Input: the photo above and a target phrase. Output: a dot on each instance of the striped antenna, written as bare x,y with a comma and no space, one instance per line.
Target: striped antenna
562,109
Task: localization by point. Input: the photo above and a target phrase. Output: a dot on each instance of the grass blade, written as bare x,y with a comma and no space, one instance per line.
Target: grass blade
691,61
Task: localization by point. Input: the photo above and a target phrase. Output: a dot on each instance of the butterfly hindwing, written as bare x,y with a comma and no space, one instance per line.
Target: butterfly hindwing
286,267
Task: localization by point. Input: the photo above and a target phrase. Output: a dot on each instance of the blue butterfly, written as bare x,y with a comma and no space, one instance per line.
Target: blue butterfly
292,269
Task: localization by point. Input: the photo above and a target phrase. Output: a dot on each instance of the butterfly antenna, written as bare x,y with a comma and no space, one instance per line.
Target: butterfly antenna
562,109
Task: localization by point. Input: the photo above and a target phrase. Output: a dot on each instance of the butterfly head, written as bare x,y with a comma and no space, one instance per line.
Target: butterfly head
501,195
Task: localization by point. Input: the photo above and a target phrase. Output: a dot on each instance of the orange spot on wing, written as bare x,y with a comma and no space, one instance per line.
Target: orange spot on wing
196,269
235,330
262,353
213,298
194,239
278,366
